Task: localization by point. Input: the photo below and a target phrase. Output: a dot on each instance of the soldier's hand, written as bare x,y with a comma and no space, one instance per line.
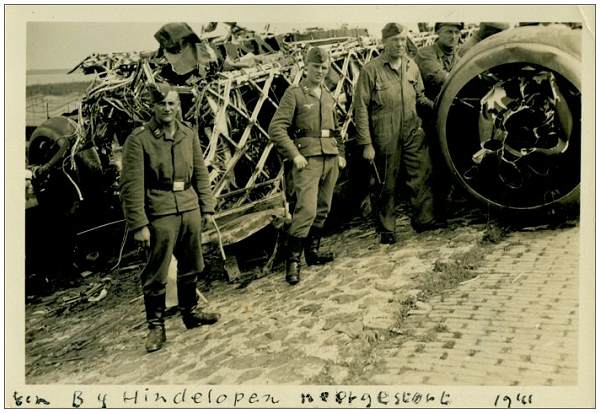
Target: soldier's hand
142,237
369,152
341,162
208,220
300,162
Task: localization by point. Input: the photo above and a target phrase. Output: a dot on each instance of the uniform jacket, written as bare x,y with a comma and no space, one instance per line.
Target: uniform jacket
385,101
435,67
297,124
151,163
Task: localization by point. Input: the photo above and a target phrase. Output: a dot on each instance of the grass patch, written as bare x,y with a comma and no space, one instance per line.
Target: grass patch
323,377
494,233
447,275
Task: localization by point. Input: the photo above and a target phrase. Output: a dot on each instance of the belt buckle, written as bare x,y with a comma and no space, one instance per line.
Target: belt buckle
178,186
325,133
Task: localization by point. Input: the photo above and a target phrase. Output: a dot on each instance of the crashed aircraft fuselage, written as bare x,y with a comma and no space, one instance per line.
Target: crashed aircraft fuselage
508,120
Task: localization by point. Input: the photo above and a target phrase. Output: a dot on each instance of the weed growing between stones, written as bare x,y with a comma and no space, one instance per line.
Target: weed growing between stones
443,277
447,275
323,377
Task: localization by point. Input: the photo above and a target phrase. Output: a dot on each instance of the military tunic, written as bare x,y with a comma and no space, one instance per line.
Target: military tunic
165,185
305,124
435,66
385,114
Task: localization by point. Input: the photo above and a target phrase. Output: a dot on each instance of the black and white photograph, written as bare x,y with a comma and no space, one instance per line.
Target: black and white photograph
307,206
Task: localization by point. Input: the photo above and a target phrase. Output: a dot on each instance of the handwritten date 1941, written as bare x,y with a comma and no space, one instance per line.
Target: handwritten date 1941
504,400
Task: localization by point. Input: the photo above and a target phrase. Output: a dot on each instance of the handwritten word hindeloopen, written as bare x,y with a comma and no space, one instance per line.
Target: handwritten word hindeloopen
186,396
375,399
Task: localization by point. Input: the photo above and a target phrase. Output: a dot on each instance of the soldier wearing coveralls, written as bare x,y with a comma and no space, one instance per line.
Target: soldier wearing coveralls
385,113
435,63
304,130
165,192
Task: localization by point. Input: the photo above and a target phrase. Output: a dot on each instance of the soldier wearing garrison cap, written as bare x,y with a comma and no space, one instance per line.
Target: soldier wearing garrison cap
165,191
305,131
436,62
388,91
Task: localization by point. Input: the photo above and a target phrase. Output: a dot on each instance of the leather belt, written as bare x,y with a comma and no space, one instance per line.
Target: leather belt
306,133
176,186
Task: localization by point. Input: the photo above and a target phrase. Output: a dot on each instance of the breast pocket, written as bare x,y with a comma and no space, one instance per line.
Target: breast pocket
184,160
158,157
387,93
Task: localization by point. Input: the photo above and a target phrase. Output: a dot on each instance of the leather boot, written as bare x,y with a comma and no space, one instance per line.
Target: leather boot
191,315
292,265
155,308
311,249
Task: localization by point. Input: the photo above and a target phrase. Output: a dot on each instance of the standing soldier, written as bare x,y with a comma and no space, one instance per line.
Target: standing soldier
164,190
304,129
435,63
385,112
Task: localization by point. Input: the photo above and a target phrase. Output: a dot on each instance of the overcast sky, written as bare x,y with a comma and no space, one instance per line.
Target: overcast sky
58,37
62,45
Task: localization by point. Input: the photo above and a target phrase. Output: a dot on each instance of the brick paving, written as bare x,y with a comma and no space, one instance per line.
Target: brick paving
515,323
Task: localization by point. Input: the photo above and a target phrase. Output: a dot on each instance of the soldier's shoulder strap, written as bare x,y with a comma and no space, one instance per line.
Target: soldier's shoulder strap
139,130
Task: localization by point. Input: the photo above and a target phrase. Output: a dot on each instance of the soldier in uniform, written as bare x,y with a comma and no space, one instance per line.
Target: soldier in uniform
165,192
304,129
388,91
435,63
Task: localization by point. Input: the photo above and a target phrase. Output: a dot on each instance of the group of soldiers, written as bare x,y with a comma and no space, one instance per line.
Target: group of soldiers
165,187
393,105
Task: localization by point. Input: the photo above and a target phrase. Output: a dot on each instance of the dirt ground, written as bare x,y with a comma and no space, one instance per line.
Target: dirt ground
344,323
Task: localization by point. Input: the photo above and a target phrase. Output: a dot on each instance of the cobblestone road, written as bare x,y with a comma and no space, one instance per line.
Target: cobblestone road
516,318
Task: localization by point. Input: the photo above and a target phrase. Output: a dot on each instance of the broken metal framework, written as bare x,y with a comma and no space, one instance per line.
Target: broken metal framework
231,99
231,111
510,133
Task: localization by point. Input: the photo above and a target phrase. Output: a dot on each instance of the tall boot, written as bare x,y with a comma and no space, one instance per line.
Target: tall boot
292,265
155,308
311,249
191,315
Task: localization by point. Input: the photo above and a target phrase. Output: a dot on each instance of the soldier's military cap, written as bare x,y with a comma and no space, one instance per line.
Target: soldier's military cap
317,55
172,36
459,25
391,29
159,92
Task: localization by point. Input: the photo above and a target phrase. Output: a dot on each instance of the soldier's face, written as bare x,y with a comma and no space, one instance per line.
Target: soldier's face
166,110
316,72
395,46
448,36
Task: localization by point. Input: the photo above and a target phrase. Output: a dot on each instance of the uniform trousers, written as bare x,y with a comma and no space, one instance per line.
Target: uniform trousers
410,153
313,186
179,235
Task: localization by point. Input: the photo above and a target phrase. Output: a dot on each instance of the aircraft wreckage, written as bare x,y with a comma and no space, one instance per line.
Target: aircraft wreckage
508,120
